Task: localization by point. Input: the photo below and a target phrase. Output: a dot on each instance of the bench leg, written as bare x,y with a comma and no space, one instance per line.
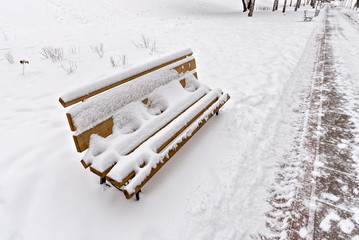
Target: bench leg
102,180
138,195
217,113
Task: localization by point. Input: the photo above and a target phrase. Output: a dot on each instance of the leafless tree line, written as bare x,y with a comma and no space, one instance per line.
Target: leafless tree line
249,5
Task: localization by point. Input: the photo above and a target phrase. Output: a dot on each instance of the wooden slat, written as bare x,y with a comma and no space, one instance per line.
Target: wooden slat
101,174
195,75
85,164
164,145
103,129
125,179
71,122
188,66
183,83
91,94
172,152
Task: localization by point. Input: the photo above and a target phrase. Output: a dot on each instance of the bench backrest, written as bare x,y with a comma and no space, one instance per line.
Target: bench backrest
98,101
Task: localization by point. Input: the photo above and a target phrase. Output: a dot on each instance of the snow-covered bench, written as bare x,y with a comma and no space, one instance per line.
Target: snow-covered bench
132,123
307,18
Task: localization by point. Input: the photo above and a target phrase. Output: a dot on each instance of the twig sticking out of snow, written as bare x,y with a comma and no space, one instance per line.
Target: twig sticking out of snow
23,62
74,50
9,57
71,68
5,36
55,54
119,60
146,43
98,49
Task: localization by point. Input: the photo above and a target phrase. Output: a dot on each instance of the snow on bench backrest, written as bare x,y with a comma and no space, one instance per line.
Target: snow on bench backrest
94,115
93,89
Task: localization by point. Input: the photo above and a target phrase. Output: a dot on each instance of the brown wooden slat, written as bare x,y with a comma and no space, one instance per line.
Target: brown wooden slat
71,122
188,66
183,83
164,145
85,164
125,179
103,129
172,152
101,174
91,94
195,75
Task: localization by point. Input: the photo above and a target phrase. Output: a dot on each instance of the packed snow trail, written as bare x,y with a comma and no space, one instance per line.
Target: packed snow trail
337,185
321,175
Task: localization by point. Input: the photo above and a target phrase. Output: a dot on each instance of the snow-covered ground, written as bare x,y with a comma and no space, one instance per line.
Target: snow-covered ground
216,187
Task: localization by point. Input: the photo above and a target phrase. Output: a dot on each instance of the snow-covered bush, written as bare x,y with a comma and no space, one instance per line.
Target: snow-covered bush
55,54
74,50
146,43
9,57
98,49
119,60
70,68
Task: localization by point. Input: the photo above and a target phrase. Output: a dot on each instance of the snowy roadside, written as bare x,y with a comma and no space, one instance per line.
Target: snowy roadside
215,187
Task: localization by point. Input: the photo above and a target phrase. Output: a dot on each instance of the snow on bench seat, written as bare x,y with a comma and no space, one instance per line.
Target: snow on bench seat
136,122
151,155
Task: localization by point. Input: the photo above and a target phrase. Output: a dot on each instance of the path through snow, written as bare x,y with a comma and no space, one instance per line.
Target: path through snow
316,191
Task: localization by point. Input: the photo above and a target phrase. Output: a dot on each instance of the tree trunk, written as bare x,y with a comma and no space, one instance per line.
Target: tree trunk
313,3
297,5
284,6
275,5
251,8
244,6
290,4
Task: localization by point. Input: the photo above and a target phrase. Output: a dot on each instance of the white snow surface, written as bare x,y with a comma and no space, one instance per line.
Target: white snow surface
328,221
216,185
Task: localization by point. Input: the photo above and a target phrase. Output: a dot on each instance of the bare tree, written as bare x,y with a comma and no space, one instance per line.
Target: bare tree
284,6
251,7
275,5
297,5
244,6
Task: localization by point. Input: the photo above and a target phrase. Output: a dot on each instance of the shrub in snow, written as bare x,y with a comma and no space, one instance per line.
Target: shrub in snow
9,57
98,49
74,50
147,44
119,60
55,54
70,68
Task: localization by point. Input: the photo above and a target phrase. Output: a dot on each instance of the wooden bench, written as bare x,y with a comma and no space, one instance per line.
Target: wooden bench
132,123
307,18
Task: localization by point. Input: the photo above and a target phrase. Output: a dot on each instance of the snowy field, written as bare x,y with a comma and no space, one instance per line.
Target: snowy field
216,187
